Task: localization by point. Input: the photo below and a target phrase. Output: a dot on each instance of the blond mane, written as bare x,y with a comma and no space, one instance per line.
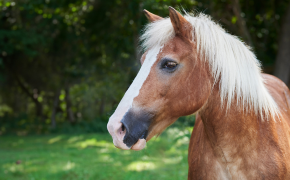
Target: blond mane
230,60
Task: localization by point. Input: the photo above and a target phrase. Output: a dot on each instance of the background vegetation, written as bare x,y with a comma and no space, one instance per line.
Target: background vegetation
65,64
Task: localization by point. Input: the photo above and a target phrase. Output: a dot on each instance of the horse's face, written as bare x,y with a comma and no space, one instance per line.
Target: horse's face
172,82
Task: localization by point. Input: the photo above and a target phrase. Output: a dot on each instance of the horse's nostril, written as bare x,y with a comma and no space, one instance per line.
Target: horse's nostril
123,127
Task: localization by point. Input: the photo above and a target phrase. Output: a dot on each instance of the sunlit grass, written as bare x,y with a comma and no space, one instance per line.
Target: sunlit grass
92,156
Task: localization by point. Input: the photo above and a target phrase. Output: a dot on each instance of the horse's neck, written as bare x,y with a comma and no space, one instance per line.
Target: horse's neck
242,144
232,131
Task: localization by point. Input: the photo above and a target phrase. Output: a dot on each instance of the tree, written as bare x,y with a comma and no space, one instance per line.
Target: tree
282,66
71,61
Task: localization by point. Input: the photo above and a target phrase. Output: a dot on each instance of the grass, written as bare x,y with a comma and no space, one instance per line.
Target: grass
92,157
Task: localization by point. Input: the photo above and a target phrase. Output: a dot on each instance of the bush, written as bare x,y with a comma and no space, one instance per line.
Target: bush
23,125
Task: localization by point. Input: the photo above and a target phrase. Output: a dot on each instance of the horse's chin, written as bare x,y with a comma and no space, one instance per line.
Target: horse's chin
141,143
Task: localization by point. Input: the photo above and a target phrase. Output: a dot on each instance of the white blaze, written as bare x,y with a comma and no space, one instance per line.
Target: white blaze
114,124
134,89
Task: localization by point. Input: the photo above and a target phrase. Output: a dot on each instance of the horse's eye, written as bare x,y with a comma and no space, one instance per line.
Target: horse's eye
170,65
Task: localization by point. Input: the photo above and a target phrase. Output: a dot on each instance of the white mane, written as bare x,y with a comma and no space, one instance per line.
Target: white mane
230,59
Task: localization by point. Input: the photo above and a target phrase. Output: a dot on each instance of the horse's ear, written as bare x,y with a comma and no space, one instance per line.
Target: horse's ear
180,24
151,17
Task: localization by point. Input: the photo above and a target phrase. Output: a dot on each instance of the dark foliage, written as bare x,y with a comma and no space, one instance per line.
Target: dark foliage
65,65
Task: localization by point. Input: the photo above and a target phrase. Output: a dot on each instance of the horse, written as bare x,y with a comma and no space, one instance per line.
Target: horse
192,65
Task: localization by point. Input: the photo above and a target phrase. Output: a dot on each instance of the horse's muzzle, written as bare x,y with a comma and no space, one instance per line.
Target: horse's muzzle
131,132
136,125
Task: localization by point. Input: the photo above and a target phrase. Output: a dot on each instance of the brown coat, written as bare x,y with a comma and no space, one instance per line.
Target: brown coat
235,145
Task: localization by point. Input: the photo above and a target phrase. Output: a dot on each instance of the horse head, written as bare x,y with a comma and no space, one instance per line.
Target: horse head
172,82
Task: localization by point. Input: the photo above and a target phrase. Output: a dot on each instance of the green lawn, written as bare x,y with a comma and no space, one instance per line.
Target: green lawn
92,156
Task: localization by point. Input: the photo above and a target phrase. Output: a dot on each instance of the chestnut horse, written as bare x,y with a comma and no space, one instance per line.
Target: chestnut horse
191,65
